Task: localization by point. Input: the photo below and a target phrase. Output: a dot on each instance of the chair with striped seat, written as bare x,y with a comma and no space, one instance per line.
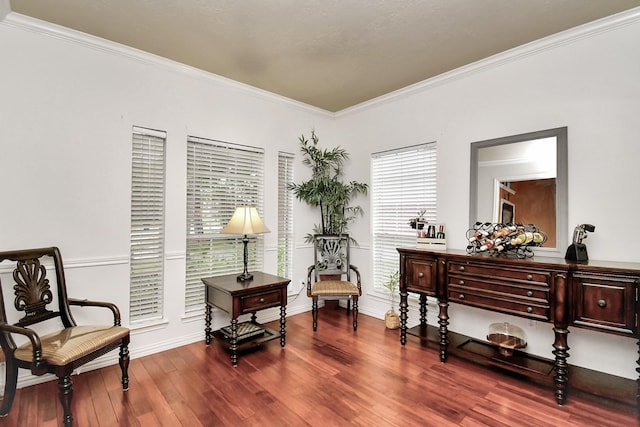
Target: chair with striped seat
68,345
331,275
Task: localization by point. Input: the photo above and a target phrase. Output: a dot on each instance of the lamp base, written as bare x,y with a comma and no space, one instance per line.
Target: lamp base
245,277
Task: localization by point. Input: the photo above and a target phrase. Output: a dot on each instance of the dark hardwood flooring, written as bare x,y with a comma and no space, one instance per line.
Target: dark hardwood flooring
333,377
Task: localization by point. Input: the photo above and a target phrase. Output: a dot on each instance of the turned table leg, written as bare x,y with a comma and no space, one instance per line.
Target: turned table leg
234,341
403,317
423,311
443,322
560,366
207,324
283,322
638,382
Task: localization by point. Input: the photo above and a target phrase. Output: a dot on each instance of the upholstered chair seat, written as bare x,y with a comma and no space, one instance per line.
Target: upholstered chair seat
70,344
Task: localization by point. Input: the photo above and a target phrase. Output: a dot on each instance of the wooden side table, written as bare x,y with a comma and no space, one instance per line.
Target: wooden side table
237,298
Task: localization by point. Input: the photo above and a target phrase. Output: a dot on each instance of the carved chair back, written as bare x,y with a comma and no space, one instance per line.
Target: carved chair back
33,293
331,256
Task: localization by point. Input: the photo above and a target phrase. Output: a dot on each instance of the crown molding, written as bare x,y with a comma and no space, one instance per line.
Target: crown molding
49,29
535,47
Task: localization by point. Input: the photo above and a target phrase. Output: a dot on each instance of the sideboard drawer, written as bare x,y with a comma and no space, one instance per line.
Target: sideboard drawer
255,302
493,271
605,302
421,275
531,291
497,301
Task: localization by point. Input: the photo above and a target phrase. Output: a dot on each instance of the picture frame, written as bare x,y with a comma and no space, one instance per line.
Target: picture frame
507,212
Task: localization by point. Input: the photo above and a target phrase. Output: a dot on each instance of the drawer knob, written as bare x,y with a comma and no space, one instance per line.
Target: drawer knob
420,275
529,277
602,303
529,309
529,293
461,296
461,268
261,299
461,282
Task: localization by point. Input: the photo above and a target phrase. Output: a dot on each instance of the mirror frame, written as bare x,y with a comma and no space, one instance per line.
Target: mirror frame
560,134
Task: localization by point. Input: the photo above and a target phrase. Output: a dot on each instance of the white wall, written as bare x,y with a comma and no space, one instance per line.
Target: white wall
586,80
67,107
68,103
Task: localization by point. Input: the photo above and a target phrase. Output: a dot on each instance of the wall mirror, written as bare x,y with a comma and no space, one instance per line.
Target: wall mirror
522,178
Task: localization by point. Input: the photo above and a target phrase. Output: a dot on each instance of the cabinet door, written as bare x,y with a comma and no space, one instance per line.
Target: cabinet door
605,302
421,275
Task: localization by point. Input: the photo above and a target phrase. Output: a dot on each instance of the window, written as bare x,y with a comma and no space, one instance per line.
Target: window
403,182
285,215
220,176
147,225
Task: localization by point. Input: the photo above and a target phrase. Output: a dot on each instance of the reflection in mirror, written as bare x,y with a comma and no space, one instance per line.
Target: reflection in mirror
535,200
522,178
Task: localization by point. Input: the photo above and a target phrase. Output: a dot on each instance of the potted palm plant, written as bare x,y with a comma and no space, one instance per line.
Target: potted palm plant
327,189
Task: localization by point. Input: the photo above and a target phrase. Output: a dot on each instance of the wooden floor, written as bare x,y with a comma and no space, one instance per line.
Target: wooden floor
333,377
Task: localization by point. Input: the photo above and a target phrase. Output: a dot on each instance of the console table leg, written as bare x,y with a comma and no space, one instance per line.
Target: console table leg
560,366
638,382
403,317
283,322
443,322
423,311
234,342
207,324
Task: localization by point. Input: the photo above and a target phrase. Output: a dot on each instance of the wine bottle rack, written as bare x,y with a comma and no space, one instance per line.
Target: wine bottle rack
505,239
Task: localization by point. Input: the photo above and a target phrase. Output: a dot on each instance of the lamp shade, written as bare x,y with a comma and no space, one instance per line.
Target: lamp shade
245,220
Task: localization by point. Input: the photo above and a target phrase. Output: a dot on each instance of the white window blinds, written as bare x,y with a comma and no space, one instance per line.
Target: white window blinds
403,182
285,215
147,225
220,176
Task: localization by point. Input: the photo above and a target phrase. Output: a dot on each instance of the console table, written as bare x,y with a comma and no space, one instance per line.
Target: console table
601,296
237,298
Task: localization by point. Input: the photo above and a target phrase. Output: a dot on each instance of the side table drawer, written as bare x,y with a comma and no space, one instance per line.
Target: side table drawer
255,302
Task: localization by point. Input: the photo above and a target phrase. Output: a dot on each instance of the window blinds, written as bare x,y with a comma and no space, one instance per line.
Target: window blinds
285,215
220,176
147,225
403,182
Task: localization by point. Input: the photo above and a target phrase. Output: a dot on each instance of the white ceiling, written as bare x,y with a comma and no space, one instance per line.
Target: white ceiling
331,54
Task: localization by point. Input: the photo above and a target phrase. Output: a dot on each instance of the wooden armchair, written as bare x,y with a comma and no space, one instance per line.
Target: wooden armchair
59,352
330,276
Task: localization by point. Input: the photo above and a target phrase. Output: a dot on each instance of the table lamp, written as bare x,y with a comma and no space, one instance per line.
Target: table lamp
245,220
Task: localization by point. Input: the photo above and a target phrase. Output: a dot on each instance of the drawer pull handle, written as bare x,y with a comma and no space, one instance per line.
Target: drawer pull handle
529,309
461,268
602,303
461,296
461,282
529,277
529,293
420,275
261,299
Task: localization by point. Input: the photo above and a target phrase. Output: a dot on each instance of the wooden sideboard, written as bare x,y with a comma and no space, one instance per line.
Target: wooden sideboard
601,296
